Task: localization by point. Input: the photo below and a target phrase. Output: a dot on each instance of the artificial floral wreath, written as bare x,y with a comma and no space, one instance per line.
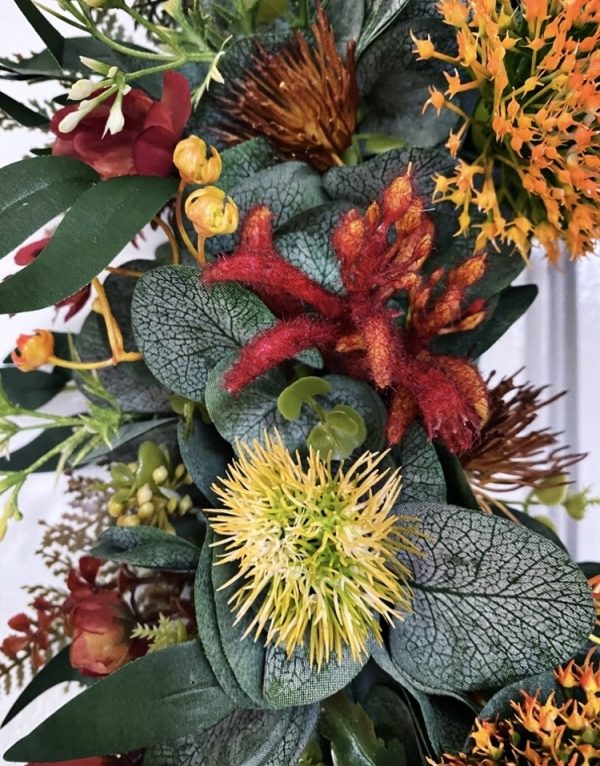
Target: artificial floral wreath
300,554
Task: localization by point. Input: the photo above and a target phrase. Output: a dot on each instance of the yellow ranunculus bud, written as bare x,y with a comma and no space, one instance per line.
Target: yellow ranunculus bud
212,212
33,351
192,163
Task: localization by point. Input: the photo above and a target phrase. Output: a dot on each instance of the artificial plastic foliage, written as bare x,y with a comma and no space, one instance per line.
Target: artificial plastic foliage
304,546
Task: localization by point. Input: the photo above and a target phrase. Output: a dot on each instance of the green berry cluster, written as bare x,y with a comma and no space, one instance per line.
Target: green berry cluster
146,492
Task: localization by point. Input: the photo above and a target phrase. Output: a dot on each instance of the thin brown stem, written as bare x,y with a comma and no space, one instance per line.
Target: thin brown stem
175,252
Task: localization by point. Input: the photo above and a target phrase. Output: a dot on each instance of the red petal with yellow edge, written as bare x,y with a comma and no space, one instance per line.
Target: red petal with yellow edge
470,383
380,345
401,413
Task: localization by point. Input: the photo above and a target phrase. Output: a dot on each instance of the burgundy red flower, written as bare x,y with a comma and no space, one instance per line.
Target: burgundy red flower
359,333
146,143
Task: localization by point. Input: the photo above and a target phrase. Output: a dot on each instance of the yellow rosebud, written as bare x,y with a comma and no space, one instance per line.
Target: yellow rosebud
192,163
212,212
33,351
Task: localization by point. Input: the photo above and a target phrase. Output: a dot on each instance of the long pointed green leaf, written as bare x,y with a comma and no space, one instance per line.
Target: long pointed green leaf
155,699
52,37
33,191
21,113
100,223
57,671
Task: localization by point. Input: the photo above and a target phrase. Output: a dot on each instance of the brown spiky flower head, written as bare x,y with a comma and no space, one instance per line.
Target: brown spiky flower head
511,454
303,99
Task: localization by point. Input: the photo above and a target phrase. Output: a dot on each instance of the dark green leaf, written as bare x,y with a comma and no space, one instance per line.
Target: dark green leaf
22,458
56,671
245,738
162,696
346,17
97,227
51,37
245,656
33,191
305,242
205,455
381,14
253,411
209,631
287,189
512,303
422,475
493,601
532,523
394,107
33,389
147,547
130,434
21,113
243,160
394,719
184,328
352,735
459,491
294,681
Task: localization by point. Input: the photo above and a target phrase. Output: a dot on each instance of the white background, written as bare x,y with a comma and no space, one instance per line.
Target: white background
557,342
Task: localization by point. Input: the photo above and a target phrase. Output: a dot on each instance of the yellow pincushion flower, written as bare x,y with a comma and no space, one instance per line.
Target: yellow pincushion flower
315,547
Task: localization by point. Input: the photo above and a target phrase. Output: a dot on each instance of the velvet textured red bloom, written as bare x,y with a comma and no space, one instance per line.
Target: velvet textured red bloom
358,333
146,143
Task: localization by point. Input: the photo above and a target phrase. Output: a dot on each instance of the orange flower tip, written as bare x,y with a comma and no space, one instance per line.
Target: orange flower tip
194,166
423,48
397,198
33,351
212,212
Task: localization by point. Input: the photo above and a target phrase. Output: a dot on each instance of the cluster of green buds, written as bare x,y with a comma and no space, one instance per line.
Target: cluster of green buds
146,491
558,490
339,431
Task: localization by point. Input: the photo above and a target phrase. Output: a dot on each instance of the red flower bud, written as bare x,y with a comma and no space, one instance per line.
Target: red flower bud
101,624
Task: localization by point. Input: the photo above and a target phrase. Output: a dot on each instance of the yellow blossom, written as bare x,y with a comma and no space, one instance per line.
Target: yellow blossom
212,212
190,159
316,548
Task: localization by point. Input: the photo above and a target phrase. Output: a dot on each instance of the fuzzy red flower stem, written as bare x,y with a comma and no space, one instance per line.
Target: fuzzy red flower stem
266,270
276,345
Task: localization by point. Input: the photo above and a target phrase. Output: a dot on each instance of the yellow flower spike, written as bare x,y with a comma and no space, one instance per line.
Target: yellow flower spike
33,351
194,166
316,549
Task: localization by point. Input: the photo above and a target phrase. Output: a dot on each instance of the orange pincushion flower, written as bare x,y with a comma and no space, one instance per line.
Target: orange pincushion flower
534,130
304,100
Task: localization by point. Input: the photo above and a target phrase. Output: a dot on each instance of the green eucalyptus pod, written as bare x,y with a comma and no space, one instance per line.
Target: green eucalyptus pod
576,505
552,490
291,399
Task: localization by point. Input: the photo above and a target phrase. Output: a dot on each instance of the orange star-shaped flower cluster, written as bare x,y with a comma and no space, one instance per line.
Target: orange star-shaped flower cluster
562,729
534,130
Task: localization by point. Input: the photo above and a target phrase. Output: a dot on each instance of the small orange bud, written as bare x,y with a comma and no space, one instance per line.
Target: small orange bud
212,212
423,48
33,351
192,163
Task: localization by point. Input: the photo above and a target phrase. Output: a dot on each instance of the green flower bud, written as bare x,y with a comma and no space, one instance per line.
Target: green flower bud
146,511
552,490
131,520
576,505
144,494
160,475
185,504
